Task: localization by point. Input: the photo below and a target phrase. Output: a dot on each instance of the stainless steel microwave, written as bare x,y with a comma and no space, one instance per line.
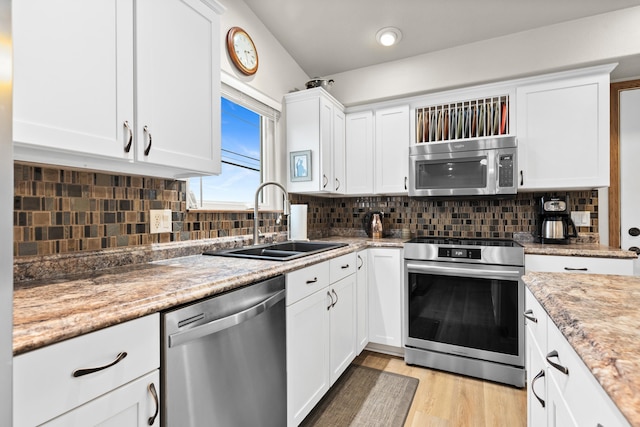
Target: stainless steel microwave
475,167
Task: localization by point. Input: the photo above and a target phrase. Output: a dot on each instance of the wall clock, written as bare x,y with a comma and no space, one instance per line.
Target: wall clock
242,51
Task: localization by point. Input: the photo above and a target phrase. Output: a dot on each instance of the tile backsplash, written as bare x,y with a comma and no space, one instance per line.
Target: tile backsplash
60,210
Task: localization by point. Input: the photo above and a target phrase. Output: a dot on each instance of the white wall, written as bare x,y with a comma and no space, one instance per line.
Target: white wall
596,39
6,218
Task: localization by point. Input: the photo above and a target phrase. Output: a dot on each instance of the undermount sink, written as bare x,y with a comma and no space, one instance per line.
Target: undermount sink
283,251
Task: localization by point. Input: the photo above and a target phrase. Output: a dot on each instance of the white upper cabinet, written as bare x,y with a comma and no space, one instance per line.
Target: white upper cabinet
360,153
563,130
392,150
96,83
316,139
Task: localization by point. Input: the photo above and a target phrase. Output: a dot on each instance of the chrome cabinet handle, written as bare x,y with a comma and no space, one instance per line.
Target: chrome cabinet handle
315,279
345,266
559,367
127,147
533,390
521,178
325,181
337,184
529,316
361,262
576,269
331,304
154,394
334,292
148,149
87,371
405,183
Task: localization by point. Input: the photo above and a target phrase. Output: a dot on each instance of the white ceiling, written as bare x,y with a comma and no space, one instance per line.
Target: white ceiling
326,37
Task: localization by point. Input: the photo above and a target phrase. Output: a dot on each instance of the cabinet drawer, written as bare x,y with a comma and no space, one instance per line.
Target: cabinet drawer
342,267
43,381
586,399
537,327
577,264
304,282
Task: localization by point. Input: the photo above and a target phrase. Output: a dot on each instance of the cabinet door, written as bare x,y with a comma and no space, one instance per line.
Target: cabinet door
385,296
177,84
359,153
132,405
563,133
308,367
326,142
362,303
536,383
343,325
73,77
339,165
392,150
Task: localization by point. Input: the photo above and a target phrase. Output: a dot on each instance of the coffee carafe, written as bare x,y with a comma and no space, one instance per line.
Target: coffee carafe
554,221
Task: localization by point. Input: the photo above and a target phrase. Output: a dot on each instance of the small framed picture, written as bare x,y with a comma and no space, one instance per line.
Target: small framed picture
300,163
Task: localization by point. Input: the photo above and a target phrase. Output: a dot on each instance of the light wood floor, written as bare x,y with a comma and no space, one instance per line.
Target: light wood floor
449,400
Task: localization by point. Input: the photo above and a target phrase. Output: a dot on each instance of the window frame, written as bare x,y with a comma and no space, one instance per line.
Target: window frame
269,122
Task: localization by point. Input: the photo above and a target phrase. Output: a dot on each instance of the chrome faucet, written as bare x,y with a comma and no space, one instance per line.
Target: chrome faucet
285,209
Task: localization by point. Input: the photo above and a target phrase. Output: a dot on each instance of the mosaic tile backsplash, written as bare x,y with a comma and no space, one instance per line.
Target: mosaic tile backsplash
60,210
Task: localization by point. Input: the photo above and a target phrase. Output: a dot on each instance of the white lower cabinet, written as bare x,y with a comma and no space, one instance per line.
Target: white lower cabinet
362,295
108,377
385,296
578,264
561,390
321,331
132,405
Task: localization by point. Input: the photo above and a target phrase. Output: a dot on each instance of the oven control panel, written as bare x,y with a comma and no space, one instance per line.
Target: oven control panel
459,253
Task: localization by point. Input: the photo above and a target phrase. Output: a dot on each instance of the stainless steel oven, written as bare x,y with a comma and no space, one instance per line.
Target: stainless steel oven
475,167
463,300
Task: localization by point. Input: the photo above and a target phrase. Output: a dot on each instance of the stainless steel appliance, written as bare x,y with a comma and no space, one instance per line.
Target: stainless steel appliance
555,223
224,360
481,167
462,307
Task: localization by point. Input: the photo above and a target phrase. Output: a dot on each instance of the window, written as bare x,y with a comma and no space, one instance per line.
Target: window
248,139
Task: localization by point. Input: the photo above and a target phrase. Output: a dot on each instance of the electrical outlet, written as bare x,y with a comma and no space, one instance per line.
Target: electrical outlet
160,221
581,218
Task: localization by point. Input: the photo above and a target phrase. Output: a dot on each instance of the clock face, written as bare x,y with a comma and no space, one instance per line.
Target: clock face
242,51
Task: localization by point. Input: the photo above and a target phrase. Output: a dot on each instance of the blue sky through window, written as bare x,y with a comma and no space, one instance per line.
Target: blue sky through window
241,139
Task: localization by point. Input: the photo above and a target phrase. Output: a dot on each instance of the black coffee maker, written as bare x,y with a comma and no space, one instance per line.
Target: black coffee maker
554,220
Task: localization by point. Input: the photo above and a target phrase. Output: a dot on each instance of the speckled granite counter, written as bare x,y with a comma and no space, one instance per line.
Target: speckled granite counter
51,310
599,316
579,249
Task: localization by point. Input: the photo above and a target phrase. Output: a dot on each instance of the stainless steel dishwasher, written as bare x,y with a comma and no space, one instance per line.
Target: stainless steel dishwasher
224,360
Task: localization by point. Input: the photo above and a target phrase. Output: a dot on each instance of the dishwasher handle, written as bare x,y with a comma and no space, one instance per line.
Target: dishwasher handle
218,325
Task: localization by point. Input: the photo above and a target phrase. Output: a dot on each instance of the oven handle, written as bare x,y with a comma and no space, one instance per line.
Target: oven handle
466,272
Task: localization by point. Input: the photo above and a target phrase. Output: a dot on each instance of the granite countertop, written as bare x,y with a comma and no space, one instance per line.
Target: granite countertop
577,249
599,316
50,310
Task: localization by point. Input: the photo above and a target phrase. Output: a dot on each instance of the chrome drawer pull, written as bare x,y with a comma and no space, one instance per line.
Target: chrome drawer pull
576,269
560,368
127,147
87,371
315,279
345,266
148,149
536,378
152,390
529,316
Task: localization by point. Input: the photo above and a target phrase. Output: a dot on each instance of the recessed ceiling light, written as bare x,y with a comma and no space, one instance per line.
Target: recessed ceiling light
388,36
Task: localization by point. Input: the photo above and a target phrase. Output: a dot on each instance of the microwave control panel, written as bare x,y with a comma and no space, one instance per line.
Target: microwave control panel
505,170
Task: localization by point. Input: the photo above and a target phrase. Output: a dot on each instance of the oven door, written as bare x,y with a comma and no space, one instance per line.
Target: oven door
468,310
